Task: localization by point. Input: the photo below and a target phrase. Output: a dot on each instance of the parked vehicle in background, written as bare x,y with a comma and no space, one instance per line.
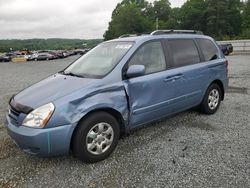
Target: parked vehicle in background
43,56
116,87
4,58
13,54
66,53
55,54
226,48
28,57
80,51
59,54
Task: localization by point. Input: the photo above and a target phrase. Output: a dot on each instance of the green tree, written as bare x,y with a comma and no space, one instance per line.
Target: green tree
223,18
174,20
246,21
46,44
234,18
128,17
159,11
246,16
192,15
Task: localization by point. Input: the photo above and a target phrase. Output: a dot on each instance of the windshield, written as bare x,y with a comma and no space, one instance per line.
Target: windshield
99,61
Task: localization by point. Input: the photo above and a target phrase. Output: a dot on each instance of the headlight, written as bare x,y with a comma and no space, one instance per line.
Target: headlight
39,117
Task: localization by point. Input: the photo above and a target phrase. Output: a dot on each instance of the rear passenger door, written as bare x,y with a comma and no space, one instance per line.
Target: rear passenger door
193,75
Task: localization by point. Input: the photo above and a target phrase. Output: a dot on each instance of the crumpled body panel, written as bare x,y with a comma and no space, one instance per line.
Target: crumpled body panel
70,109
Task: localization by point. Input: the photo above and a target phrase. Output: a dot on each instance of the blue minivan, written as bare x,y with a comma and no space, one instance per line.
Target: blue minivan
117,86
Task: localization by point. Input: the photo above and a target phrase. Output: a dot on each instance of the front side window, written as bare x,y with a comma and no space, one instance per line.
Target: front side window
208,48
99,61
184,52
150,55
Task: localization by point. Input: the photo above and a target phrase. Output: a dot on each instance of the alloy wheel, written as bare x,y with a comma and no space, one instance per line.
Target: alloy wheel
99,138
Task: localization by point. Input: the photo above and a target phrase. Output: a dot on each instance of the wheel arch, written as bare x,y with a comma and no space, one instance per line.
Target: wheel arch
220,83
118,116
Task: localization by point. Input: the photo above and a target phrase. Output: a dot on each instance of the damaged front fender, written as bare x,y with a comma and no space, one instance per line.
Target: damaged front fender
72,108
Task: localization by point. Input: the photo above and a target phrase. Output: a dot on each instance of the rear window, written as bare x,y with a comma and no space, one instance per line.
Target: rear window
208,48
184,52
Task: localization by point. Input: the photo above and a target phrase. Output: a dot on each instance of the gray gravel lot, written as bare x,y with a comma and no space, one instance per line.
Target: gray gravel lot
188,150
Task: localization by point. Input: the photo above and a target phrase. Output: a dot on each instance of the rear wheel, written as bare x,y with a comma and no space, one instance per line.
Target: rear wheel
96,137
211,100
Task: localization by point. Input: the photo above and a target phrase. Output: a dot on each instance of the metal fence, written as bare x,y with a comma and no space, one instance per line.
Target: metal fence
238,45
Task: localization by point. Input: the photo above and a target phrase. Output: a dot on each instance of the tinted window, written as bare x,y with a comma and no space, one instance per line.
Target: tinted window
184,52
150,55
208,48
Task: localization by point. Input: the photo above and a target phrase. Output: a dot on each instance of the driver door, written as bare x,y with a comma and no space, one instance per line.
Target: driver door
149,94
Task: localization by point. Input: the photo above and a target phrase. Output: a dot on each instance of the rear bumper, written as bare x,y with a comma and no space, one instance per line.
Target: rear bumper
41,142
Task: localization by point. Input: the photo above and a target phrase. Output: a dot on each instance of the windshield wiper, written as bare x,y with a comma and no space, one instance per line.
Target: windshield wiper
72,74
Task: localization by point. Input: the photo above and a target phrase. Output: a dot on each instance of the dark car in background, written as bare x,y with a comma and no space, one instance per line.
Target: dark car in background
226,48
13,54
58,54
4,58
80,51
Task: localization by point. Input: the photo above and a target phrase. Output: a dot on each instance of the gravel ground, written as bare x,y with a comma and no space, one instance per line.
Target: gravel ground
187,150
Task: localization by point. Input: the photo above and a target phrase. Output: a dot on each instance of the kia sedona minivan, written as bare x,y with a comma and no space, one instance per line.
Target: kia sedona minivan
117,86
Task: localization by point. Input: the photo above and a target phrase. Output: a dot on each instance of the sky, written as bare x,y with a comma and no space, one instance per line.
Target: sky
84,19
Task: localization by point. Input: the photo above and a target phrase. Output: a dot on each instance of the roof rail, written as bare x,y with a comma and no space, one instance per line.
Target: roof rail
171,31
128,35
133,35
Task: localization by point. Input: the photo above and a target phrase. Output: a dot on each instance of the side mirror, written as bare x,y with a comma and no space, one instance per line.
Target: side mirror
135,71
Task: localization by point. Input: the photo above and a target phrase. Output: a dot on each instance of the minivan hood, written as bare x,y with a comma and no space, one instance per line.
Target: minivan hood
50,89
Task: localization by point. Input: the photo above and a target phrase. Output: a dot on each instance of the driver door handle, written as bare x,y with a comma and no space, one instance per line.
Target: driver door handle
173,78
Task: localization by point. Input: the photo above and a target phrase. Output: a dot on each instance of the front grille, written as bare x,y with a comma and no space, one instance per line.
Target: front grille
13,114
16,113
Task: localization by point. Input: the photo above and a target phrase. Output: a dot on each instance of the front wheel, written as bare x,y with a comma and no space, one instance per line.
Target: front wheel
211,100
96,137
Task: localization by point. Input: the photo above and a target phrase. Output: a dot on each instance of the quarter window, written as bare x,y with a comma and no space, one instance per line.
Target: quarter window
208,48
150,55
184,52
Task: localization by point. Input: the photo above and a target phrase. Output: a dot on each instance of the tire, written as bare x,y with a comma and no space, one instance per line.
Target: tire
35,59
89,133
47,59
212,99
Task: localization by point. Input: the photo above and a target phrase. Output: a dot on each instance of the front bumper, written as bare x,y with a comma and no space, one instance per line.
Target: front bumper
42,142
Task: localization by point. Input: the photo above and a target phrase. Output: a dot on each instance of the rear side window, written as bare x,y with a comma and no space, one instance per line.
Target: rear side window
208,48
184,52
151,55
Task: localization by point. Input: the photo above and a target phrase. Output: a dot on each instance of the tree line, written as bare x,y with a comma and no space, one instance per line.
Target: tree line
46,44
223,20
